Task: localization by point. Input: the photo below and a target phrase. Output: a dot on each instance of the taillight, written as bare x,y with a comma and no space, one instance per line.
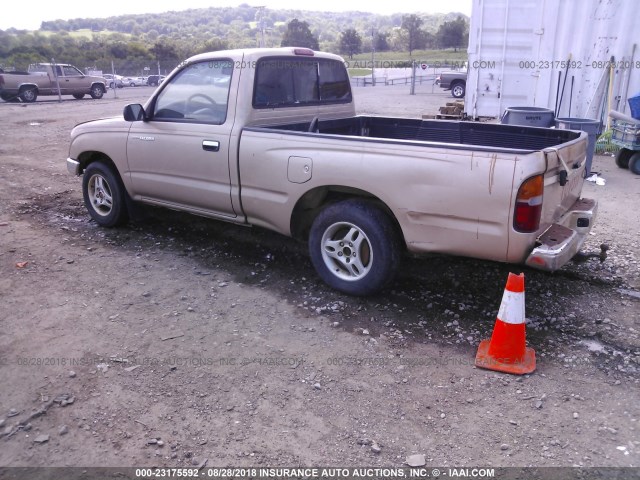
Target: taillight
303,51
529,205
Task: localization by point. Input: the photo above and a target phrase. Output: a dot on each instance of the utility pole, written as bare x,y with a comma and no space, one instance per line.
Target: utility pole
260,22
55,74
373,61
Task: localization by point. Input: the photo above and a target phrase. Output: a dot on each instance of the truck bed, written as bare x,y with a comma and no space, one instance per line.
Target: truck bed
448,134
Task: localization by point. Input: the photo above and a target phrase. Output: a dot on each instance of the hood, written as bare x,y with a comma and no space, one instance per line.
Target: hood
111,124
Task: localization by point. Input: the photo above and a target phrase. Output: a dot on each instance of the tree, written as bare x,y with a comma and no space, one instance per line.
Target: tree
350,42
298,34
453,34
164,51
381,42
413,34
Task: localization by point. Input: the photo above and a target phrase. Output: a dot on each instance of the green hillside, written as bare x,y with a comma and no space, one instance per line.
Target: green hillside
161,40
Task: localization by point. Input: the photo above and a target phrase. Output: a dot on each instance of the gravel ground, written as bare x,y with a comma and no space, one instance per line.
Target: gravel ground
175,339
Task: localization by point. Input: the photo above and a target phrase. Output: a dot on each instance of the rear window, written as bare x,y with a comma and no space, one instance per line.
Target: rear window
291,82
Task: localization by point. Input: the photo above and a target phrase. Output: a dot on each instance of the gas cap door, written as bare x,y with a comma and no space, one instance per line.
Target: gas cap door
299,170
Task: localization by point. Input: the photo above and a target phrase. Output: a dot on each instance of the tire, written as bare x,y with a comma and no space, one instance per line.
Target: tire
7,97
634,163
458,90
132,84
355,247
111,85
104,195
28,94
622,157
78,96
97,91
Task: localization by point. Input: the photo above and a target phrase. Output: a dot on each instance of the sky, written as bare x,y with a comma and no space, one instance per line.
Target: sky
14,15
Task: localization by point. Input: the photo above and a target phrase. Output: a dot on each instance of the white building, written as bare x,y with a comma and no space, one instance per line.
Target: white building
553,54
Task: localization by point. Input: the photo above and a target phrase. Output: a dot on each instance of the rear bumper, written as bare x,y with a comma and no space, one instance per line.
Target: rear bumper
561,241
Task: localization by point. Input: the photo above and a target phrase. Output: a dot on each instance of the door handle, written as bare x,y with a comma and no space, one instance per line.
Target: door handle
210,145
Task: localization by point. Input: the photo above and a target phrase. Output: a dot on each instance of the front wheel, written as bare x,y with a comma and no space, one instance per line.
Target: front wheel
355,247
622,157
104,195
458,90
634,163
96,91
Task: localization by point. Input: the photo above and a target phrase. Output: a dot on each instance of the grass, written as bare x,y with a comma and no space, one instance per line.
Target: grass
429,57
83,33
358,72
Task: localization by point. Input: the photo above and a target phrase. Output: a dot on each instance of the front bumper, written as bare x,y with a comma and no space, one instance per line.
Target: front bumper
561,241
73,166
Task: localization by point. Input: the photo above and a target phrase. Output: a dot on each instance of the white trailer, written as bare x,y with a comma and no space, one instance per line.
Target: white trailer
553,54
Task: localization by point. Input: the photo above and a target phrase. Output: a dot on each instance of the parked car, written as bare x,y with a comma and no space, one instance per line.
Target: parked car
281,147
134,81
114,80
49,79
155,80
454,81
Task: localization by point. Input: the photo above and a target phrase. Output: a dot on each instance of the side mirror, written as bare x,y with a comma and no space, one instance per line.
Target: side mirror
134,113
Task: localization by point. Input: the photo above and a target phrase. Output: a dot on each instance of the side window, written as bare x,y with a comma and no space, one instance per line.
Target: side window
290,82
334,82
199,93
70,71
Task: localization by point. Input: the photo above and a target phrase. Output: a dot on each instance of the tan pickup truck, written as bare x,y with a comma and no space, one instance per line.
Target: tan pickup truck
45,78
269,137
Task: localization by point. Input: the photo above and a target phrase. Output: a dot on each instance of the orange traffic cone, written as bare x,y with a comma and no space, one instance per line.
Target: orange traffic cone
506,351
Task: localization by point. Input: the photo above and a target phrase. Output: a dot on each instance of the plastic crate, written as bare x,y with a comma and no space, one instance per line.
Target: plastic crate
634,105
626,134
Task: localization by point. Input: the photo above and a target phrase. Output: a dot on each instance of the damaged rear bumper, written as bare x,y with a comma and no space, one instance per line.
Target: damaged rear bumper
562,240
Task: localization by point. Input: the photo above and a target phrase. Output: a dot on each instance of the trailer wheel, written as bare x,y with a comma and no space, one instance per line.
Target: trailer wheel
104,195
78,96
622,157
28,94
634,163
355,247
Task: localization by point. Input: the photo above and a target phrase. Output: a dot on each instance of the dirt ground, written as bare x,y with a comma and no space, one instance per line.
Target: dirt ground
175,339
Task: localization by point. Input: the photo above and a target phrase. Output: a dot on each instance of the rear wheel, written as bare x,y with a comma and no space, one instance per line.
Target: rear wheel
78,96
104,195
28,94
354,247
458,90
97,91
622,157
634,163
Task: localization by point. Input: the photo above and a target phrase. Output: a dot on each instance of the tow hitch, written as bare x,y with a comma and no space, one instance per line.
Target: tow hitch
583,257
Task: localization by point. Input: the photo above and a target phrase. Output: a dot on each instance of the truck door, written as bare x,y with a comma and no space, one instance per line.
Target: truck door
72,80
180,154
